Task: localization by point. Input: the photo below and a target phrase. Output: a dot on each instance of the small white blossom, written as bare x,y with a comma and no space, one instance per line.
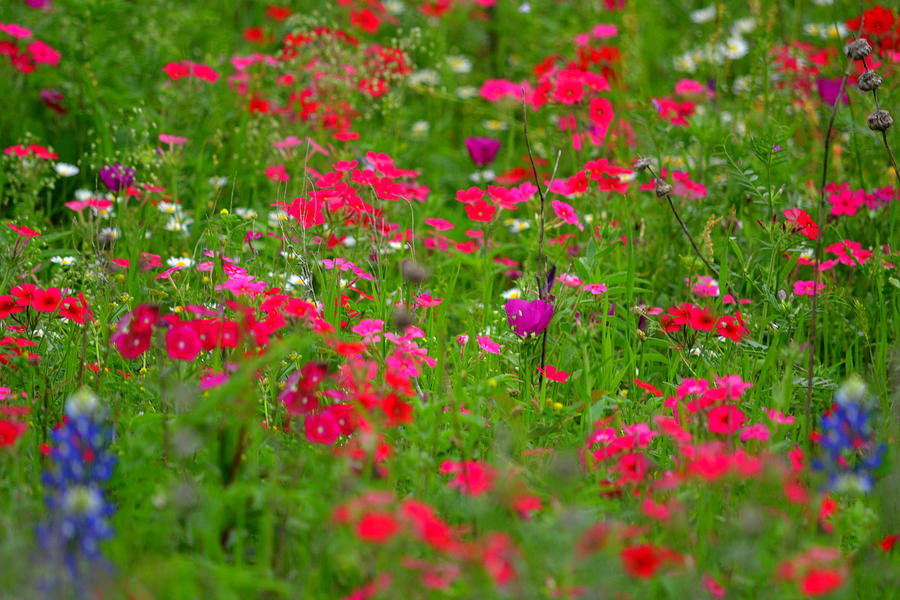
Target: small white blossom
704,15
180,261
66,170
459,64
64,260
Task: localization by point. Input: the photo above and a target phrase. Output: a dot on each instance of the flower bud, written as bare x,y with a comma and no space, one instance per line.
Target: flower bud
868,81
880,120
858,49
663,189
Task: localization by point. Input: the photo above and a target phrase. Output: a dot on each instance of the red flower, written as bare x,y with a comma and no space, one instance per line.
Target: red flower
10,432
481,211
802,222
182,342
642,560
725,419
821,581
9,306
254,35
376,527
473,478
730,327
396,410
46,300
322,428
701,319
366,20
648,386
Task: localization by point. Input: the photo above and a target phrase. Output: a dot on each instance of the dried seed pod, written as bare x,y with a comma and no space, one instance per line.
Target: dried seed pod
402,318
663,189
880,120
868,81
641,164
413,272
858,49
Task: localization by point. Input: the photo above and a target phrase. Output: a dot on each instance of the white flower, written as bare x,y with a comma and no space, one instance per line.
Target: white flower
277,217
218,182
685,63
349,241
512,294
64,260
169,208
735,48
495,125
110,233
466,92
82,402
459,64
180,261
246,213
395,7
741,84
425,77
525,8
745,25
482,176
295,280
813,29
704,15
175,224
839,31
420,129
66,170
517,225
83,195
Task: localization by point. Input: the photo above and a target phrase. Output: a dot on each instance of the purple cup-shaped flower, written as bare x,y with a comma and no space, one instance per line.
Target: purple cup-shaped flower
482,150
116,177
528,316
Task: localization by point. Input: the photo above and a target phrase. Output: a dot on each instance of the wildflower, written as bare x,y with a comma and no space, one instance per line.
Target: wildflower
10,432
322,428
849,452
553,374
807,288
642,560
182,262
482,150
182,342
473,478
46,300
528,316
65,169
487,344
116,177
377,528
459,64
78,512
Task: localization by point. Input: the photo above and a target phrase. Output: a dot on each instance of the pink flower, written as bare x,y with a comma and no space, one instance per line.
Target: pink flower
725,419
565,212
16,31
182,342
43,53
472,477
757,431
605,31
553,374
172,139
462,339
369,329
277,173
321,428
712,586
595,288
807,288
488,345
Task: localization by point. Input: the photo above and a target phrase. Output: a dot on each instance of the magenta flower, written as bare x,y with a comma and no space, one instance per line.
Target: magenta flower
482,150
528,316
116,177
828,90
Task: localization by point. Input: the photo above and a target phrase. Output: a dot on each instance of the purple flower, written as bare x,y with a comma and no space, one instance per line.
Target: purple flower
116,177
482,150
828,91
528,316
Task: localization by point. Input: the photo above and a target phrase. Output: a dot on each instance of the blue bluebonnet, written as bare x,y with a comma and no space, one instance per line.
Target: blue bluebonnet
78,512
849,452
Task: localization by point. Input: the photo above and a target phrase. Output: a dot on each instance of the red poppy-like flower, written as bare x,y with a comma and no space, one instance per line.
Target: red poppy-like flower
46,300
321,428
396,410
701,319
472,477
821,581
481,211
725,419
376,527
10,432
182,342
642,560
